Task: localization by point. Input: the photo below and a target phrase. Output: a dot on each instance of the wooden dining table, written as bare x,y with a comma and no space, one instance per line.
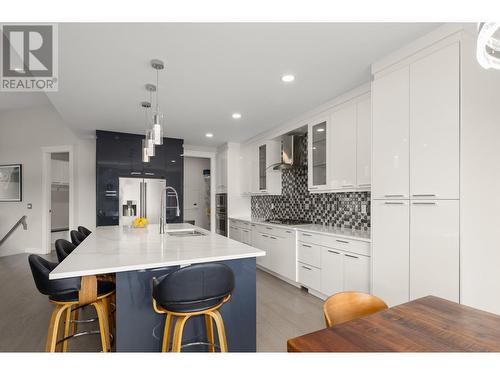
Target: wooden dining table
428,324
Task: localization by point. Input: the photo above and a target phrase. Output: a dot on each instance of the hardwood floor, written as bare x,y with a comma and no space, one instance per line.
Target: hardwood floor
283,312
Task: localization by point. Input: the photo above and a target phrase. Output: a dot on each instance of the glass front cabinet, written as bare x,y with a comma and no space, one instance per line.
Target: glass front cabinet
317,139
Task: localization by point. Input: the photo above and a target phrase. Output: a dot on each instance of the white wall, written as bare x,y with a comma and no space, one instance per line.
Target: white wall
22,134
196,191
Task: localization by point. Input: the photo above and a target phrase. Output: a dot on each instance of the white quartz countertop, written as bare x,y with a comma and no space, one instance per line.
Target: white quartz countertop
353,234
122,248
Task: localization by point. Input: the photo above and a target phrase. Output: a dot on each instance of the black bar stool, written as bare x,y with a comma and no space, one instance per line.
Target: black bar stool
195,290
64,294
84,231
63,249
76,237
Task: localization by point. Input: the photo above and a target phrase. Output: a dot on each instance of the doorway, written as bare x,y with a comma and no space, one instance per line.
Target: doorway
197,191
58,195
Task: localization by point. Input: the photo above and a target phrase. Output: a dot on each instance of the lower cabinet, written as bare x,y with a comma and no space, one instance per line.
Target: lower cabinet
309,276
234,233
356,273
246,236
332,279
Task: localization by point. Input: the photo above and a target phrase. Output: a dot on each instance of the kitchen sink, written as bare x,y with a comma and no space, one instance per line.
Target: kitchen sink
185,233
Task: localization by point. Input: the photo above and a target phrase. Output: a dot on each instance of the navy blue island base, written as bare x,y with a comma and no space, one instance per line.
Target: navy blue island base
140,329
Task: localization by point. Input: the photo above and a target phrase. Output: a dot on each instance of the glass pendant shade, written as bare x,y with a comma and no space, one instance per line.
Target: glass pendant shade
150,145
145,155
157,129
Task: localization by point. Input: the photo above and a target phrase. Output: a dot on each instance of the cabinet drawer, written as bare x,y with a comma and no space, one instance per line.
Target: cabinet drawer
344,244
310,254
309,276
277,231
311,238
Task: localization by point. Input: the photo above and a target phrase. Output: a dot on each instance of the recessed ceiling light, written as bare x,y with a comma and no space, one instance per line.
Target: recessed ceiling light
321,129
288,78
209,135
236,115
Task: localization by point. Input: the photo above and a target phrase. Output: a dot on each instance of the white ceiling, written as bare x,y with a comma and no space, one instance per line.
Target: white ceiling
213,70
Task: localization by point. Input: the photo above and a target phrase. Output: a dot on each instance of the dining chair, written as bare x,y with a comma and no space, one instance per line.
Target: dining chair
345,306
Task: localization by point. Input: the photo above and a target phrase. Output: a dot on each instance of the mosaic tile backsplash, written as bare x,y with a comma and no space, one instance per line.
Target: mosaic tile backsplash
345,210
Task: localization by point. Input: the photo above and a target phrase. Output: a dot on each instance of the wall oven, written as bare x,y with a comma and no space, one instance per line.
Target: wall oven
221,214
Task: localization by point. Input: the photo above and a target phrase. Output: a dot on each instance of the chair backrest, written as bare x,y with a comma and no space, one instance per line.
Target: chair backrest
199,282
76,237
63,249
40,269
84,231
345,306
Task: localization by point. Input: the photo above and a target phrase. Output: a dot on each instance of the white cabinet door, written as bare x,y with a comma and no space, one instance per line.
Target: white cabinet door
318,153
356,273
434,249
364,144
264,242
246,171
234,233
246,236
254,172
332,271
390,250
390,104
342,146
434,125
284,259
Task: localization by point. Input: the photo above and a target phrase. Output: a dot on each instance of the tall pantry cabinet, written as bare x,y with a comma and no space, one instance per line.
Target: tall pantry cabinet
416,162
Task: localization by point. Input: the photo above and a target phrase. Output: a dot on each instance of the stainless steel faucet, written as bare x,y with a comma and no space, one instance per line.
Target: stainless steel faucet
163,207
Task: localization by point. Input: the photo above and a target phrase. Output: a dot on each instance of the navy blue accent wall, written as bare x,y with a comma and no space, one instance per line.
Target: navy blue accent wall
120,155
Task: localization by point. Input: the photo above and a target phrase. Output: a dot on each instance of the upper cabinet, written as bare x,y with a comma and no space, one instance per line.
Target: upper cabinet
318,146
390,103
434,125
221,172
364,144
343,148
260,178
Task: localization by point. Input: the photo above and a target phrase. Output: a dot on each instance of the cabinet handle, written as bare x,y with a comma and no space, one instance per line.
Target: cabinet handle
393,195
342,241
348,185
135,173
274,238
269,228
265,236
334,252
110,191
306,268
424,203
288,231
423,195
368,184
149,173
253,225
393,202
307,235
306,245
313,187
351,256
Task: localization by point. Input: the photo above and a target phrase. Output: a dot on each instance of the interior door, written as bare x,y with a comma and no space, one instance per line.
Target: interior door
153,189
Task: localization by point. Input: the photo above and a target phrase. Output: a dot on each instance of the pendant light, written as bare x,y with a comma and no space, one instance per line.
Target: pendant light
157,128
147,143
488,45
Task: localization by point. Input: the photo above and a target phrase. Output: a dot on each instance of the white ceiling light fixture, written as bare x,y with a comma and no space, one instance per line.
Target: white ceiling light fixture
488,45
320,130
236,116
209,135
146,150
288,78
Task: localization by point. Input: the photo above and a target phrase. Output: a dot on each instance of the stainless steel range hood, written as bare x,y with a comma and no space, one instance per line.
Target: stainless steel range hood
290,153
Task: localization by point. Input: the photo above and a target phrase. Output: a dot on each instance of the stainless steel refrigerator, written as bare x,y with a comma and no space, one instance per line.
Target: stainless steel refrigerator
140,197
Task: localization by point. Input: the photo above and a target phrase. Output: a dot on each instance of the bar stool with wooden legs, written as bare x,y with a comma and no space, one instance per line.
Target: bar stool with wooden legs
67,295
197,290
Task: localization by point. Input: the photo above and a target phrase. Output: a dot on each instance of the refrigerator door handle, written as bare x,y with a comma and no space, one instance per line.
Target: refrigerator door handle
141,198
145,200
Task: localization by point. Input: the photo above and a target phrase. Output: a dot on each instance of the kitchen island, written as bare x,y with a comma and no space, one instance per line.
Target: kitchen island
136,255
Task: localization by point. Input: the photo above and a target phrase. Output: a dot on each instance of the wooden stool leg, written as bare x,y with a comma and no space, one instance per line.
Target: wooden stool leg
103,325
221,332
67,325
166,334
179,328
210,333
55,319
